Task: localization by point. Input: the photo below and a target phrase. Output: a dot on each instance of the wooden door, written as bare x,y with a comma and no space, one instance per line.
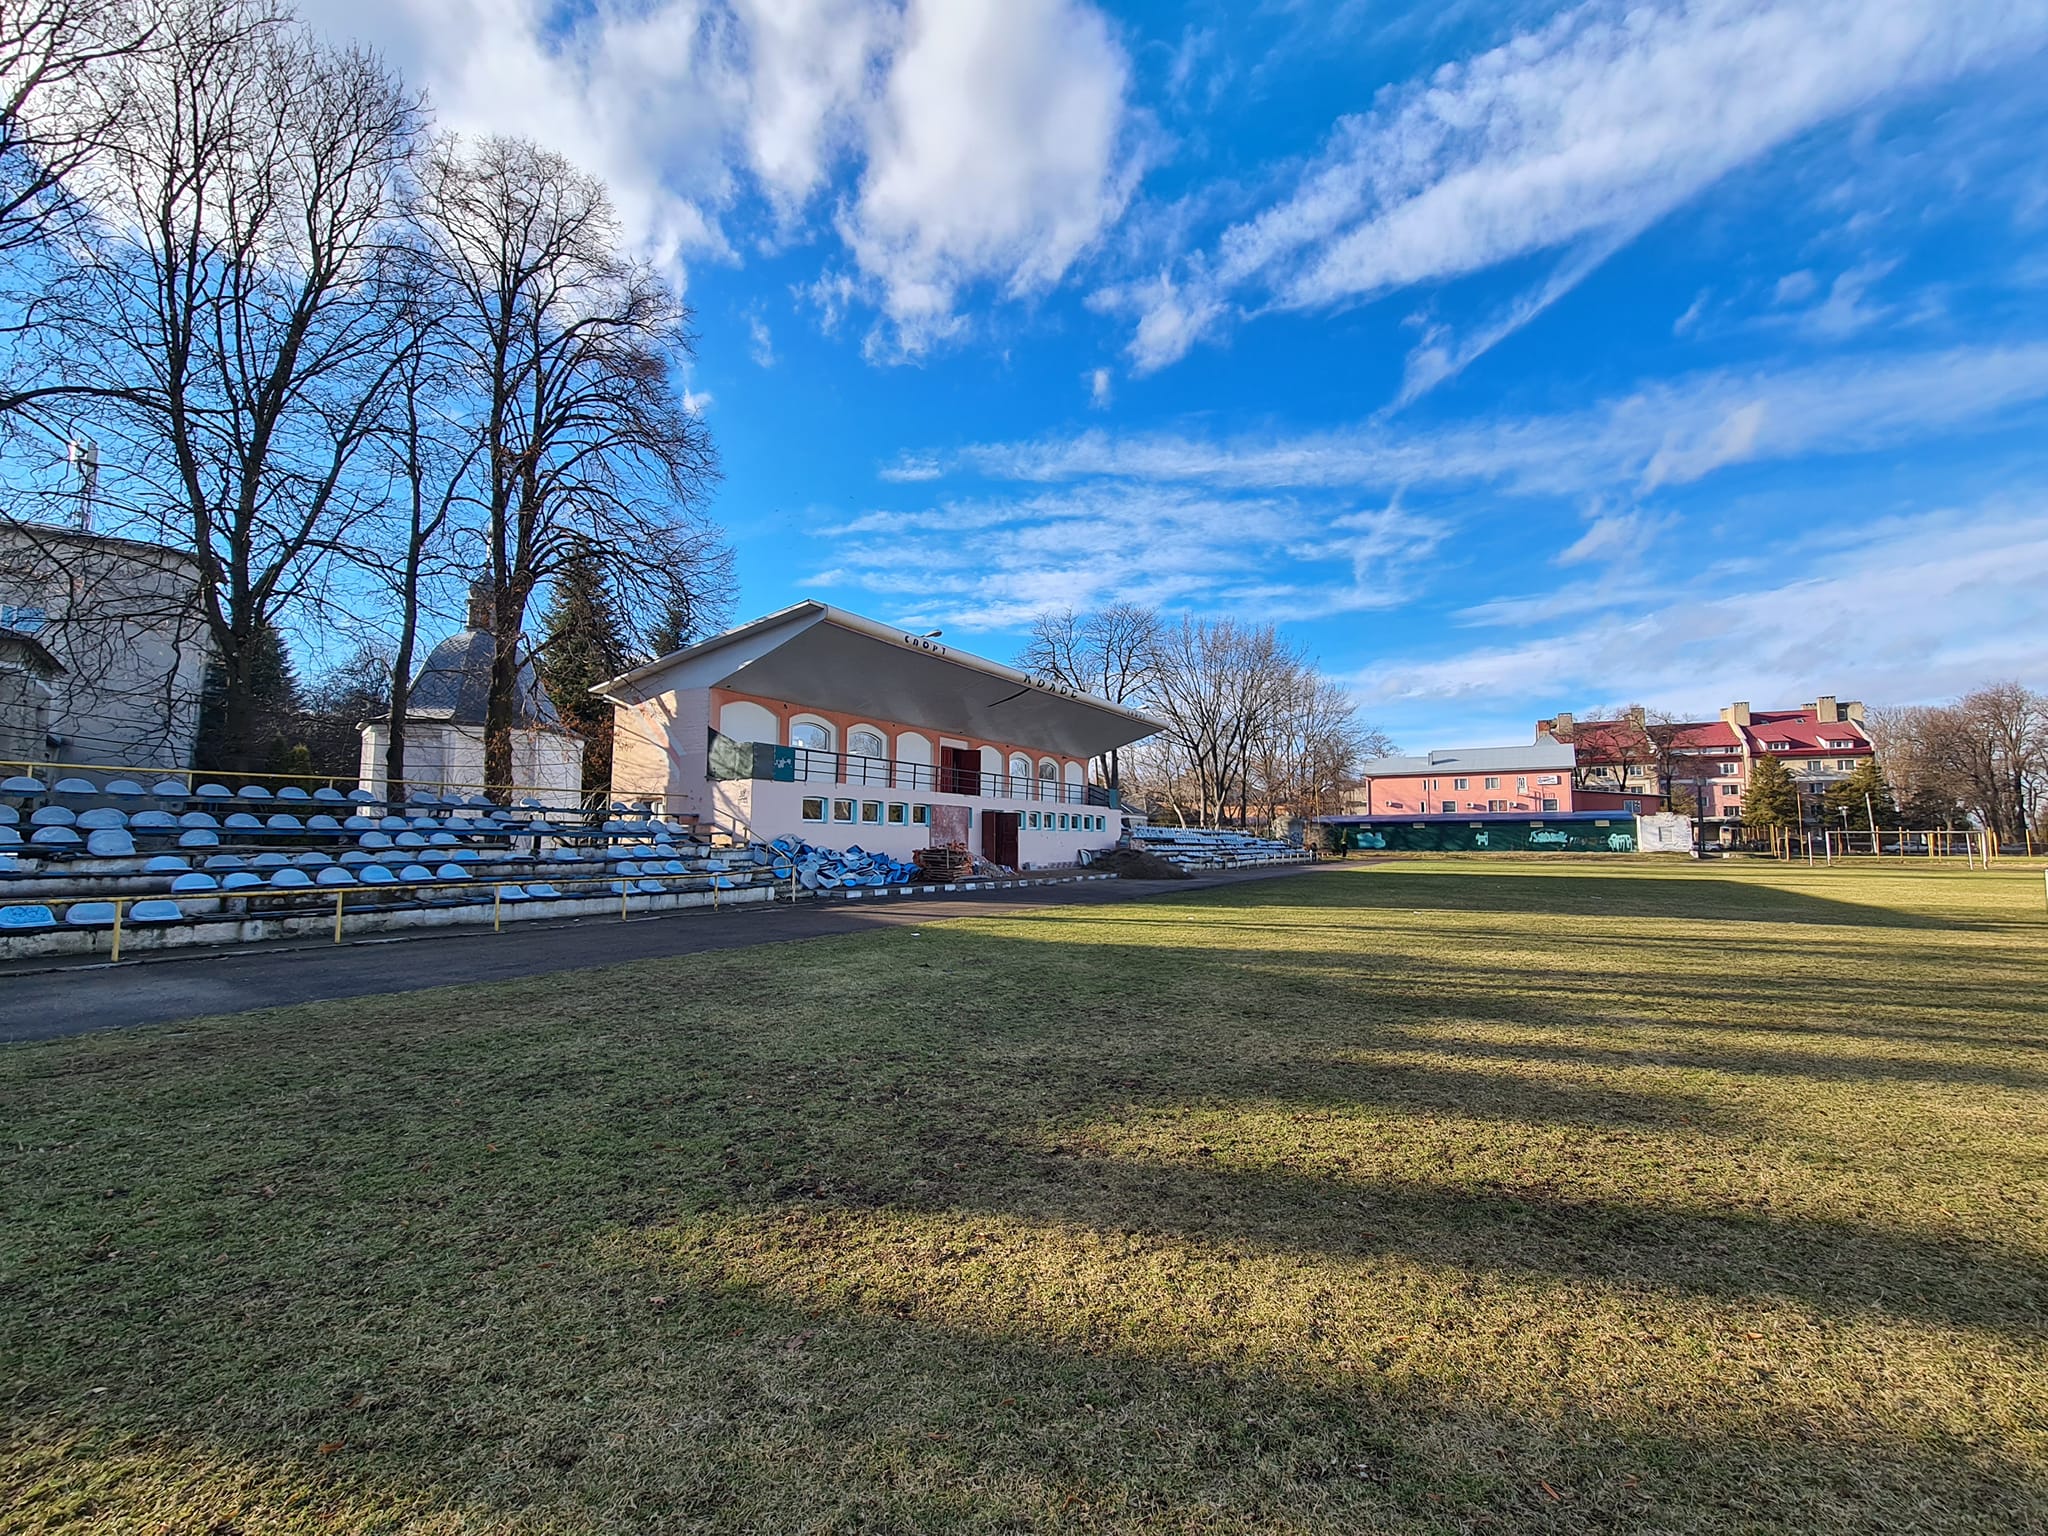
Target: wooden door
999,837
960,770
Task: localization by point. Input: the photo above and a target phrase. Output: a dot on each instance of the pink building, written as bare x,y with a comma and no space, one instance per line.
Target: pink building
1475,781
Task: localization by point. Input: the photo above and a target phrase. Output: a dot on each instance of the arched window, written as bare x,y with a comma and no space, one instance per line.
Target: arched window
1020,775
867,756
862,742
815,762
1048,779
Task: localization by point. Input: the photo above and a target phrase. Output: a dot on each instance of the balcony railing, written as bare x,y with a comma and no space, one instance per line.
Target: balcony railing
732,759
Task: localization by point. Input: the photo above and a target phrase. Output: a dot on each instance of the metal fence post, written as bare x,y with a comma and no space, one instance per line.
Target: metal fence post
119,904
339,898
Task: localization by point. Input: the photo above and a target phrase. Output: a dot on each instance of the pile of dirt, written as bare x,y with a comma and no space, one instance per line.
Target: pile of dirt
1136,864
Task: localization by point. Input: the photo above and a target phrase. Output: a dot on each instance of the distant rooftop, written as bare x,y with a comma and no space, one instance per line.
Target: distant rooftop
1543,754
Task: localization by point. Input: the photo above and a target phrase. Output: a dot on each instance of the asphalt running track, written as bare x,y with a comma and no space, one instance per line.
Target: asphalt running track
78,997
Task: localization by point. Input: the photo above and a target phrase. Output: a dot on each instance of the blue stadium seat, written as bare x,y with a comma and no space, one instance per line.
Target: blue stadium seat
360,824
377,874
153,821
356,856
54,837
541,890
254,792
199,819
240,880
195,881
90,914
101,817
451,872
281,822
442,840
268,860
410,840
26,919
375,840
156,910
74,786
335,874
53,816
168,789
110,843
166,864
363,796
126,789
9,838
312,858
329,795
224,861
292,792
416,872
9,816
21,784
199,837
242,821
510,892
290,879
214,792
319,821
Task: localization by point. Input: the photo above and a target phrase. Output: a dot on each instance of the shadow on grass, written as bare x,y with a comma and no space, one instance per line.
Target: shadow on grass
435,1234
1533,889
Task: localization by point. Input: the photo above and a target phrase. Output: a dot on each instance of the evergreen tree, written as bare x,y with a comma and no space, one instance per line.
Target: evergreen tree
271,707
583,646
1868,779
1771,799
679,625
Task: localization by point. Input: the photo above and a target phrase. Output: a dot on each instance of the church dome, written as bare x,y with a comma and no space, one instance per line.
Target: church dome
455,684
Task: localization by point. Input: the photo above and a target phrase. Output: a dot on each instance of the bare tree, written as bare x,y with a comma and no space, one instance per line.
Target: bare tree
585,448
235,309
1109,653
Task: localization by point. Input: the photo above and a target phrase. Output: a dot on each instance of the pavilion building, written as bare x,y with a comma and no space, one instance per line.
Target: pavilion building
820,724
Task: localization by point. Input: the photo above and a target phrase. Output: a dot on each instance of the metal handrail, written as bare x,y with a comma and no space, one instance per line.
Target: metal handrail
341,893
192,777
853,770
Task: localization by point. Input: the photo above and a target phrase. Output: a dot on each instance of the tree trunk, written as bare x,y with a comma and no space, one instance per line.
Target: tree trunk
498,714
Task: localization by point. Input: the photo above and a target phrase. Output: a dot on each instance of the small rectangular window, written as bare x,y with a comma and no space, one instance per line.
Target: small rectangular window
1493,781
871,811
1450,808
842,810
920,815
1633,807
898,814
1461,783
1549,805
814,808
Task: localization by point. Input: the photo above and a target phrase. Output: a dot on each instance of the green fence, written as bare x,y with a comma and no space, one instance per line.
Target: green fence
1606,834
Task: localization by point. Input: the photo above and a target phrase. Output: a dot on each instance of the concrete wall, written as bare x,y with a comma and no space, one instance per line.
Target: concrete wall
123,618
770,810
450,758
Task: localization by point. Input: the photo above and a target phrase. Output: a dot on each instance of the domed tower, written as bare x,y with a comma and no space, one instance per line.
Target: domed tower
444,723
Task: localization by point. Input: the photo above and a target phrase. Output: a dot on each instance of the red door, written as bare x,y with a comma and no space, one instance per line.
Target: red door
960,770
999,837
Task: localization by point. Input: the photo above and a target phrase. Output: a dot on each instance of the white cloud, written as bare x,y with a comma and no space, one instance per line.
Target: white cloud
1908,610
1668,433
1098,388
996,152
696,401
1615,537
760,344
1088,545
992,137
1586,129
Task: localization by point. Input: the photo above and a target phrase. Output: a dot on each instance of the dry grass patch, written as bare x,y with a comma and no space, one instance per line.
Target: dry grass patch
1422,1198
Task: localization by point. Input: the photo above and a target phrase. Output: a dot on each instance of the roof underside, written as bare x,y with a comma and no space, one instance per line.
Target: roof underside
817,656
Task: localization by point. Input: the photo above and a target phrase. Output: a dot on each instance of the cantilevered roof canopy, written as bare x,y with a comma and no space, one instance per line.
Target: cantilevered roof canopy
826,658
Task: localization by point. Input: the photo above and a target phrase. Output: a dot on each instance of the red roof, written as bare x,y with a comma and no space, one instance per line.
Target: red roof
1623,741
1803,733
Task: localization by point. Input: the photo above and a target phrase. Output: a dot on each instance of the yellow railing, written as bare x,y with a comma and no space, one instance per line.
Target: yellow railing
59,905
193,777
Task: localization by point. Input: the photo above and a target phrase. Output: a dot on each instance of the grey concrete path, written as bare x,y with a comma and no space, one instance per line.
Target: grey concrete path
73,999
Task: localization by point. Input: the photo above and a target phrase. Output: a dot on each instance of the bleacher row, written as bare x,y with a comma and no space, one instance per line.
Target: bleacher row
167,863
1203,848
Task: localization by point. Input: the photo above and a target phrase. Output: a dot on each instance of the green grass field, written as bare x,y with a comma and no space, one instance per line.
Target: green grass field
1438,1196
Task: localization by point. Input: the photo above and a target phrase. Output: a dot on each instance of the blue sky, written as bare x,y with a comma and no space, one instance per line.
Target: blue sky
1514,357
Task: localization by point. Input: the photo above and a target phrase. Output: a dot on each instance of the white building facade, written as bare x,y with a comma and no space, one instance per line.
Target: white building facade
820,724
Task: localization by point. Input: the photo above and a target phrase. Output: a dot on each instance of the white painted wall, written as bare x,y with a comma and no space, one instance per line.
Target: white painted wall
774,810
